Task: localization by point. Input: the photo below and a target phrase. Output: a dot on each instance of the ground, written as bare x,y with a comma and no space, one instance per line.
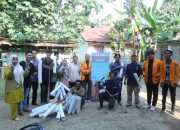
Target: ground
92,119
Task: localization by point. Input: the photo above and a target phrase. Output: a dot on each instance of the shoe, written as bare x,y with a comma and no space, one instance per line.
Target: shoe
26,110
163,110
35,104
153,108
146,106
128,105
138,106
17,119
87,101
100,107
172,111
20,114
120,104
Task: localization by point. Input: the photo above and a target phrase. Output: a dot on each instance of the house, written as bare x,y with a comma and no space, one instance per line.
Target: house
173,45
96,41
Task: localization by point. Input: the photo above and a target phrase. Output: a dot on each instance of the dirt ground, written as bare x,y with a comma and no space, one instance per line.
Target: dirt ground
92,119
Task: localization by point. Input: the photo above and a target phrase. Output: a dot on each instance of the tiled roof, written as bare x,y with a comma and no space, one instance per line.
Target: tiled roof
96,34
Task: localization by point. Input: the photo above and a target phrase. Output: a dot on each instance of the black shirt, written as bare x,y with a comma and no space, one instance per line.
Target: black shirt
27,79
150,69
46,72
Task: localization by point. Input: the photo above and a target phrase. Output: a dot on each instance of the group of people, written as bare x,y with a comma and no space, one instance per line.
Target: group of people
155,73
23,76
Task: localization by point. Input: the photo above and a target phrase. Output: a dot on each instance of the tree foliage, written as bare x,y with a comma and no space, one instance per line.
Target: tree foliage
36,20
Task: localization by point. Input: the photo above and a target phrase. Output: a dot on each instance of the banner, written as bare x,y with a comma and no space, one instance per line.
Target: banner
100,66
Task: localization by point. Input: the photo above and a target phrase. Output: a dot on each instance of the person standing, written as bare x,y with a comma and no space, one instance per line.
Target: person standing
14,78
55,76
47,71
116,67
74,71
132,85
151,72
34,78
27,80
169,79
64,72
86,76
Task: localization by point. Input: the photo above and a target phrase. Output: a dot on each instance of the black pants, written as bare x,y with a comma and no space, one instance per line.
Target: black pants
120,89
82,101
44,91
172,93
34,86
104,96
52,86
152,89
87,87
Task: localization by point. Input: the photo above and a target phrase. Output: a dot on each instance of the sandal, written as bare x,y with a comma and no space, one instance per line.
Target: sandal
17,118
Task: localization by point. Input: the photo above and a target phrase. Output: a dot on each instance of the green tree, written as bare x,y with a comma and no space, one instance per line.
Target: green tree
36,20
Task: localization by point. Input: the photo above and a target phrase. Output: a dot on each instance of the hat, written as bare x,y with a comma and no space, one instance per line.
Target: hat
168,51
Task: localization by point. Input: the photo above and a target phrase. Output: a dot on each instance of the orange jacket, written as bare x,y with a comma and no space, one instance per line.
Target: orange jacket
155,71
174,73
85,70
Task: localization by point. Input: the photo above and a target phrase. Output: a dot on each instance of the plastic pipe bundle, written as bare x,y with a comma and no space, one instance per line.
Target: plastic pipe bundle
137,80
74,104
59,91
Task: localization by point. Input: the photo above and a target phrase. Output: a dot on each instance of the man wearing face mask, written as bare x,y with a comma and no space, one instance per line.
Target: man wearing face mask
80,91
151,72
169,79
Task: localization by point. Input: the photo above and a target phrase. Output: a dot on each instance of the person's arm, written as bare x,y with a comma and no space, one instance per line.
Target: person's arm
162,74
8,73
143,69
176,74
81,92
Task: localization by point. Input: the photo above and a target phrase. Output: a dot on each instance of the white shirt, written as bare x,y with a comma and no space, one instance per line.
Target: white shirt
74,72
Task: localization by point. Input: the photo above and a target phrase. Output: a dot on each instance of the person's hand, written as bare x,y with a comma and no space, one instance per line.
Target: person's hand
12,68
161,85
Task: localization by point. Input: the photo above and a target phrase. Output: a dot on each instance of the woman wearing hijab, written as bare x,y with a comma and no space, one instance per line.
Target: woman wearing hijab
14,76
64,72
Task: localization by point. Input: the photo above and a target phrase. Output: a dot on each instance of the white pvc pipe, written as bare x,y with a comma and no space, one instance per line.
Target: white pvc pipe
39,111
49,111
55,64
72,104
41,107
39,71
58,94
55,90
65,87
137,80
78,109
61,111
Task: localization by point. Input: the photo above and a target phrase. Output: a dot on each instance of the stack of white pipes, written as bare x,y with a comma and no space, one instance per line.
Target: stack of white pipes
73,104
45,110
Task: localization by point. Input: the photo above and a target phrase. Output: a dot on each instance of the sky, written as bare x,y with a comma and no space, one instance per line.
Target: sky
108,8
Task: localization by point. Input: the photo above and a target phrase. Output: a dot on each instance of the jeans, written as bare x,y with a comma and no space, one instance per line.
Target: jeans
87,87
34,94
23,104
